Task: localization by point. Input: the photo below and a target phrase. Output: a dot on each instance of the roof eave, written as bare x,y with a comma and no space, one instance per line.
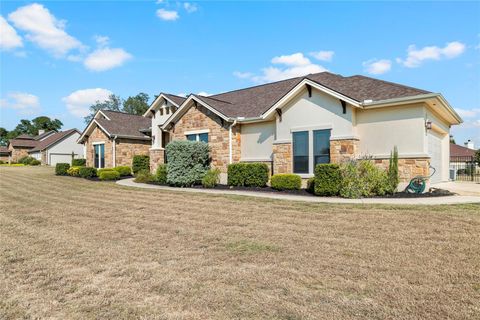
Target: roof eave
154,103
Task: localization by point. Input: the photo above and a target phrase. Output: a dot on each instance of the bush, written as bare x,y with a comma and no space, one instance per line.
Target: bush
248,174
140,162
161,174
311,185
364,179
286,181
1,162
35,162
79,162
143,176
74,171
188,162
104,170
27,160
393,169
61,169
107,175
87,172
123,170
327,180
211,179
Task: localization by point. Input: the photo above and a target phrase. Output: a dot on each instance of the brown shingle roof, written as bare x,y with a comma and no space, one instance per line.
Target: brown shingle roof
459,151
177,99
52,139
24,143
4,150
124,124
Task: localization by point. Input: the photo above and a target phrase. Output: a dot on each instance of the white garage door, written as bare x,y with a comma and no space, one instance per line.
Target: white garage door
435,152
59,158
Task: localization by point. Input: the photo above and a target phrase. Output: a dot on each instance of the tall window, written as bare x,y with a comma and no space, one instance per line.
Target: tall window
198,137
321,147
99,155
300,152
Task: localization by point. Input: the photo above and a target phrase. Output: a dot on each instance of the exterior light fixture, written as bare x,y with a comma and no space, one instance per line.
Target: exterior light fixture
428,125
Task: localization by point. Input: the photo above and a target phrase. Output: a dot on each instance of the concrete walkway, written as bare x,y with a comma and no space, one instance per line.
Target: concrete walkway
463,188
281,196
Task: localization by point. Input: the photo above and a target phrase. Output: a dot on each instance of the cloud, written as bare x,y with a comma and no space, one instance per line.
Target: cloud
24,103
190,7
9,39
415,57
106,58
323,55
102,41
167,15
468,113
203,93
294,65
44,29
377,66
79,102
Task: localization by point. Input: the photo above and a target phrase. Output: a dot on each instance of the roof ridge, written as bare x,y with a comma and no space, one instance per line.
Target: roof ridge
389,82
209,97
171,94
121,112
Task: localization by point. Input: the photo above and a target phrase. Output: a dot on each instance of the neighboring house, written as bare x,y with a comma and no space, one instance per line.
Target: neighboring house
460,151
4,154
294,124
112,139
58,147
462,158
20,146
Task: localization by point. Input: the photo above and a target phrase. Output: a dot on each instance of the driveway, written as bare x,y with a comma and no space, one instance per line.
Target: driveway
461,187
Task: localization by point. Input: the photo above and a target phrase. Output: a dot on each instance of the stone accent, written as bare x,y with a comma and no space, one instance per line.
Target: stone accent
157,156
343,150
125,149
282,158
98,135
17,153
408,167
200,118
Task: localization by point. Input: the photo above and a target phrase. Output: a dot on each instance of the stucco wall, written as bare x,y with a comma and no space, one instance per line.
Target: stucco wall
257,141
67,146
162,113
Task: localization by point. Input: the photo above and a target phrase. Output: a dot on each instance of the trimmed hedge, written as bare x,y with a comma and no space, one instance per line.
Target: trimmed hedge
143,176
26,160
140,162
87,172
161,174
61,169
123,170
74,171
103,170
328,179
286,181
311,185
211,179
248,174
79,162
188,162
107,175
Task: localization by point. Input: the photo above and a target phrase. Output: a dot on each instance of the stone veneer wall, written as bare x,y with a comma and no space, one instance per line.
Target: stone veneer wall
157,156
282,158
200,118
125,149
343,150
408,167
98,135
17,153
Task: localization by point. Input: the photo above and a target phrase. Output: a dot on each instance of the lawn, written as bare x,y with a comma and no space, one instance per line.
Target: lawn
75,249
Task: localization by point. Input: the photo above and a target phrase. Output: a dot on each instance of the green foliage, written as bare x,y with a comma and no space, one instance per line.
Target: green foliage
188,162
393,177
286,181
161,174
87,172
30,128
79,162
35,162
140,162
104,169
211,178
144,176
46,124
113,103
26,160
107,175
74,171
137,104
311,185
1,162
364,179
124,171
134,105
61,169
248,174
3,137
327,179
477,157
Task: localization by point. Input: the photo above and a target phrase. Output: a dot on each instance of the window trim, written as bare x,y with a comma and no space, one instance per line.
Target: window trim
311,162
308,152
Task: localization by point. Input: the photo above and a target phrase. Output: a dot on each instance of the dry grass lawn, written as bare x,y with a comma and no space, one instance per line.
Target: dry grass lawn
75,249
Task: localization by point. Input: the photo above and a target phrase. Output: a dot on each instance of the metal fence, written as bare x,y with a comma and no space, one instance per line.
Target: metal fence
464,169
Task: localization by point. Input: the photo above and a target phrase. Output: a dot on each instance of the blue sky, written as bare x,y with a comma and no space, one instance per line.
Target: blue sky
58,57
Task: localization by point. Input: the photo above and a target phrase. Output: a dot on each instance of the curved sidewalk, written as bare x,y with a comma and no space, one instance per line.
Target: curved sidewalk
282,196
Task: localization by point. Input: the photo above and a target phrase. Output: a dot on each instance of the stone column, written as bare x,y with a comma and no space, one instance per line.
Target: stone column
157,156
343,150
282,158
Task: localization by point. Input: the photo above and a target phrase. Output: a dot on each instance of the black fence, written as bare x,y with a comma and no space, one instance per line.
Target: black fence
464,169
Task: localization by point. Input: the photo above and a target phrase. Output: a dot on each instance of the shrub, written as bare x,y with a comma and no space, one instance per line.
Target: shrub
103,170
123,170
188,161
364,179
35,162
327,179
393,169
1,162
27,160
109,175
61,169
87,172
248,174
211,179
161,174
311,185
143,176
286,181
74,171
140,162
79,162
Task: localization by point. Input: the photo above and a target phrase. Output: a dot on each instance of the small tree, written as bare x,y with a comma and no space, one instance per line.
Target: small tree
393,169
188,162
477,157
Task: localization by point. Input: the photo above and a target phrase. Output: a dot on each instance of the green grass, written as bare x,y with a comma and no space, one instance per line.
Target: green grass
248,246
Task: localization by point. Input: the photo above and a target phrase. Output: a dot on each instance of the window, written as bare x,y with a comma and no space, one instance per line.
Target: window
321,147
198,137
99,155
300,152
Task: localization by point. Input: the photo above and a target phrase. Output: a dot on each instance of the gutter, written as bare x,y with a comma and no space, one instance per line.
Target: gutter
114,150
230,147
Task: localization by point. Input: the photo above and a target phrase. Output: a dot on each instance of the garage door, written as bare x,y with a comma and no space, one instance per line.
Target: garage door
59,158
435,153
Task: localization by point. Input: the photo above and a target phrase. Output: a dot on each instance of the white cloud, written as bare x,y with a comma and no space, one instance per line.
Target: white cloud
323,55
294,65
102,41
182,94
106,58
79,102
468,113
9,39
377,66
167,15
24,103
415,57
203,93
190,7
44,29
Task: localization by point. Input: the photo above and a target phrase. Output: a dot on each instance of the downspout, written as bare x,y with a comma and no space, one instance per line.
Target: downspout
114,151
230,147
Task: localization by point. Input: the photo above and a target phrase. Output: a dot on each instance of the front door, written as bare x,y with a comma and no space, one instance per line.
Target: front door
99,155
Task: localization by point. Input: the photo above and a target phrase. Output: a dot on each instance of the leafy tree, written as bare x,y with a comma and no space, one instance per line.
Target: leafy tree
113,103
136,105
477,157
30,127
3,137
452,139
47,124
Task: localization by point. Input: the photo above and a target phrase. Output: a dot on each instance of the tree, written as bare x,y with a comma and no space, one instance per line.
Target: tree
30,128
136,105
47,124
452,139
477,157
113,103
3,137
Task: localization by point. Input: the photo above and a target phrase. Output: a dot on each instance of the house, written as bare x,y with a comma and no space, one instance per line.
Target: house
112,139
49,147
457,151
294,124
462,161
4,154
